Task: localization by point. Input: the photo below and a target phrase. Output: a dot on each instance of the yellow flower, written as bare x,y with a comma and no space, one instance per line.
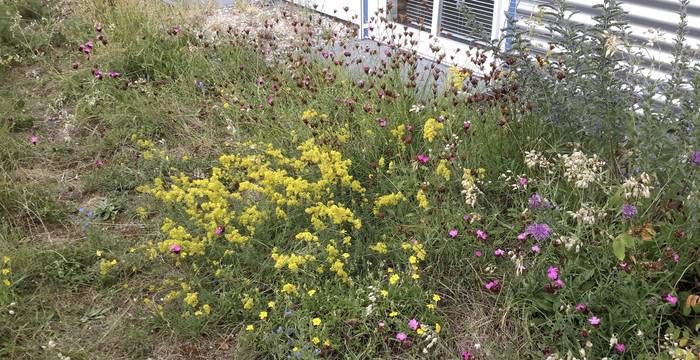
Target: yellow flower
271,304
387,200
315,340
420,331
379,247
248,303
327,343
263,315
438,328
191,299
422,199
436,297
430,306
311,292
393,279
443,169
431,128
289,289
393,314
384,293
206,308
249,327
316,321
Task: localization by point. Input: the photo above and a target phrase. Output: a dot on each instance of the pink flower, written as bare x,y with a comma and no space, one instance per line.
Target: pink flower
466,355
594,320
553,273
535,249
175,248
477,253
98,27
423,159
453,233
382,122
559,283
467,218
466,125
669,298
413,324
99,162
113,74
98,74
582,308
481,235
34,140
219,230
499,252
401,336
620,347
522,236
270,101
381,325
522,181
493,285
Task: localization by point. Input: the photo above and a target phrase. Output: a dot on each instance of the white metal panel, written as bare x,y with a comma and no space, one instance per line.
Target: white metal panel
336,8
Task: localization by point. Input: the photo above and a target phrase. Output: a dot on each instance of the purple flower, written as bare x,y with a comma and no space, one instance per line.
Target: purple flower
629,211
535,249
382,122
620,347
477,253
481,235
553,273
413,324
671,299
582,308
696,158
499,252
594,320
539,231
537,202
453,233
467,218
466,125
113,74
423,159
401,336
219,230
98,74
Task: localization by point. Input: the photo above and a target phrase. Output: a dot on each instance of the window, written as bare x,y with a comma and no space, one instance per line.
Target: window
464,20
415,13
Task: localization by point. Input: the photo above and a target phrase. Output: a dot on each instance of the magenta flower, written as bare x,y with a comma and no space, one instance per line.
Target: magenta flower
522,236
594,320
493,285
175,249
219,230
466,355
671,299
423,159
76,64
481,235
559,283
99,162
499,252
553,273
620,347
113,74
535,249
453,233
382,122
98,74
413,324
466,125
401,336
270,101
98,27
477,253
34,140
582,308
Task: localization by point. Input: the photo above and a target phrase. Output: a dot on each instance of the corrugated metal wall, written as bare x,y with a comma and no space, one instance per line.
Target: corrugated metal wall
649,20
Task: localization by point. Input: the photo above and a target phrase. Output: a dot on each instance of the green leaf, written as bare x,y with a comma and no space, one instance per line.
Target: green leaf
620,243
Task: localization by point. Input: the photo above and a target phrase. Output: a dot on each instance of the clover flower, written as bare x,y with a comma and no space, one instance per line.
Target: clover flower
629,211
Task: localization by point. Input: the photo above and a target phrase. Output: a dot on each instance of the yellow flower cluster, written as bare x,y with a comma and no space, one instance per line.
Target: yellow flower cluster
457,77
443,169
387,200
422,199
5,271
106,265
336,213
292,261
431,129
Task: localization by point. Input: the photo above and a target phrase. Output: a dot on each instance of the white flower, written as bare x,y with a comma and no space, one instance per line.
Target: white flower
582,170
416,108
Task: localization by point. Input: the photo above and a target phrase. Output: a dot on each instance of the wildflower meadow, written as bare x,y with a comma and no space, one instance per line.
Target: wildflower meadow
176,189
